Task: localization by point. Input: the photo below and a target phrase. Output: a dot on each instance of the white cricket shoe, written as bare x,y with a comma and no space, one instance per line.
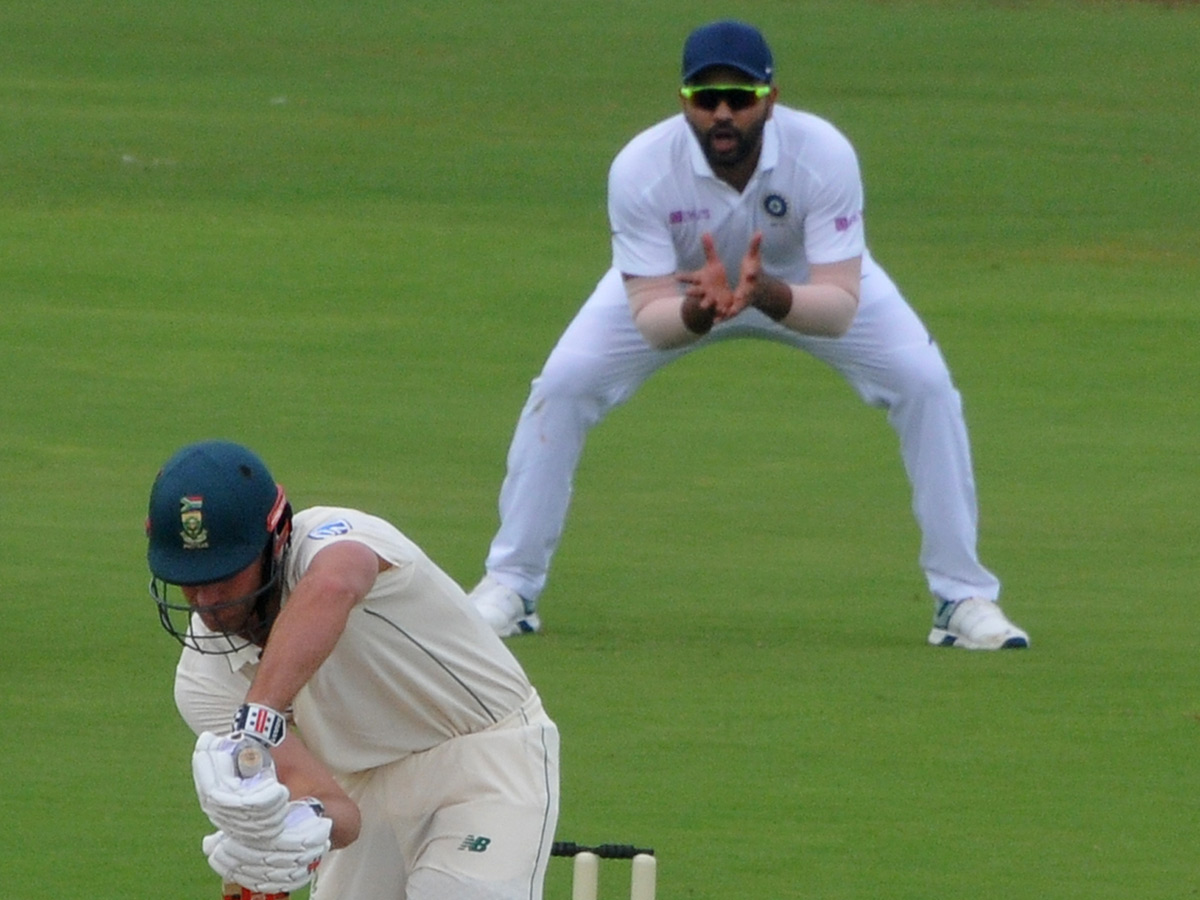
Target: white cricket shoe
974,624
504,609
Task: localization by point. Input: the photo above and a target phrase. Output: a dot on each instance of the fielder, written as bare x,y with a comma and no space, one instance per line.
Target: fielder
740,217
412,759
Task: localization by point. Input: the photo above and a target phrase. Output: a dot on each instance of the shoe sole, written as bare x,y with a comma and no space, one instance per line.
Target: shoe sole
531,624
939,637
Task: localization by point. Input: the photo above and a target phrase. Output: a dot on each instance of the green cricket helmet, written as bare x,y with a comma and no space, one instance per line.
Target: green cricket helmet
214,510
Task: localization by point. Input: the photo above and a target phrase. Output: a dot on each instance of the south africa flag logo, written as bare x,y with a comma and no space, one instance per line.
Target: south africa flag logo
191,518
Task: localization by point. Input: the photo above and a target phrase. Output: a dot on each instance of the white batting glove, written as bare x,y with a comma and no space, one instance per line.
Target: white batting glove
252,810
287,865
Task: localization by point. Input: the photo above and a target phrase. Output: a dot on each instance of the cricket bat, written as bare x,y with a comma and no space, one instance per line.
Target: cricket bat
237,892
250,759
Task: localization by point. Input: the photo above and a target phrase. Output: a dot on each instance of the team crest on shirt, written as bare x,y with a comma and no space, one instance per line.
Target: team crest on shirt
775,206
191,521
336,528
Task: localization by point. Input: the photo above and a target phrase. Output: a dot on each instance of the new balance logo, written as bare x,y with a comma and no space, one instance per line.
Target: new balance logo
475,844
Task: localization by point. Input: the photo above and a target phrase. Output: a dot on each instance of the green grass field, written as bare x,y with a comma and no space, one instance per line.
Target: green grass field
348,234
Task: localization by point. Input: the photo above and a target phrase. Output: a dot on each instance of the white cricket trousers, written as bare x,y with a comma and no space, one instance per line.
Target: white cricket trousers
887,356
470,819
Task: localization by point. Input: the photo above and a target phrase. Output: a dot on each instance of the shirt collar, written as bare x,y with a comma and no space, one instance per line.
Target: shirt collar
236,659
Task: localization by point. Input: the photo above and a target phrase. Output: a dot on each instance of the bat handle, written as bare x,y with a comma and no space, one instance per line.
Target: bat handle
236,892
249,758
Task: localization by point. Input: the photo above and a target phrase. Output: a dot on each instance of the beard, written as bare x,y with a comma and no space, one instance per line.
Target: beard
726,146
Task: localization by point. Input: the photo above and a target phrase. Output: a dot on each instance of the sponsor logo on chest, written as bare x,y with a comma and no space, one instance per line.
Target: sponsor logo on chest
685,216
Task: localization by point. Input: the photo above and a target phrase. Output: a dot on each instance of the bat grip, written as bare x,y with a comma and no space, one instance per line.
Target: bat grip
236,892
249,758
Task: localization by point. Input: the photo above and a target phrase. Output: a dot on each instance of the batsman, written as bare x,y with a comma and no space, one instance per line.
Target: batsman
401,752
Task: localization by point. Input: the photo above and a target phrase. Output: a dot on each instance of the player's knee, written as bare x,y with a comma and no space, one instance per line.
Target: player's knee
923,374
930,378
571,379
914,379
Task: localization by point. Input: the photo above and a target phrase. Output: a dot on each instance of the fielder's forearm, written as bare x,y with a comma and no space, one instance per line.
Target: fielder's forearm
663,315
821,310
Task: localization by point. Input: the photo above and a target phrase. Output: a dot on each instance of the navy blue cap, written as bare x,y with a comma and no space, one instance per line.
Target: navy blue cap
734,44
211,511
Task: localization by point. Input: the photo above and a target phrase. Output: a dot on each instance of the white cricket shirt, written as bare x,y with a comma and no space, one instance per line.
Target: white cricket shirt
806,197
415,666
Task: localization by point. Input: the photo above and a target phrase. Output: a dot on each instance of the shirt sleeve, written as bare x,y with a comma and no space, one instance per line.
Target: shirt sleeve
641,238
833,228
319,527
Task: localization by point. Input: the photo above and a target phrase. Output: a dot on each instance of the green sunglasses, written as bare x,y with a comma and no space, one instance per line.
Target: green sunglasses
735,96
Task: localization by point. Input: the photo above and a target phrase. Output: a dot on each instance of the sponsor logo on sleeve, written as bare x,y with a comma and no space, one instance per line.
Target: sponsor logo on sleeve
336,528
845,223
